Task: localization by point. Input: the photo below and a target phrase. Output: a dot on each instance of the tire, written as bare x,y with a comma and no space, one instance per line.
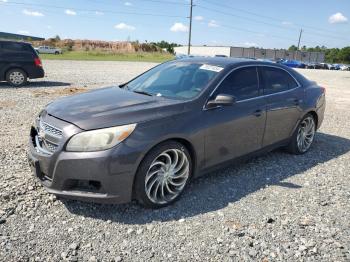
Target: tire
303,136
57,53
17,77
160,179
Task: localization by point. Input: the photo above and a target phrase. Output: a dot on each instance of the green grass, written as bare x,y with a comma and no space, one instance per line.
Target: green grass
105,56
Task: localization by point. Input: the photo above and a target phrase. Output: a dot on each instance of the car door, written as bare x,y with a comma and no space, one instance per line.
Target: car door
284,96
238,129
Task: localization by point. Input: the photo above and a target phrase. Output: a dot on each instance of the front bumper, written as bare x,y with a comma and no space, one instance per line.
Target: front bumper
102,177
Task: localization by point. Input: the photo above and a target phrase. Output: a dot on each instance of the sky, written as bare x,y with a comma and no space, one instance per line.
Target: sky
267,24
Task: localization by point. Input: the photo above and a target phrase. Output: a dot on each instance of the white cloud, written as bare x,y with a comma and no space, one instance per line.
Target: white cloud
3,1
213,23
49,27
337,18
70,12
199,18
123,26
179,27
32,13
287,23
250,44
128,4
99,13
23,32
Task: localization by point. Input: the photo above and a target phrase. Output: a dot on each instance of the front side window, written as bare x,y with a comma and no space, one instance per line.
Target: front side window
242,84
178,80
277,80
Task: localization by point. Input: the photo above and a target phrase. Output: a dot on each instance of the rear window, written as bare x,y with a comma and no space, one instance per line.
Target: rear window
15,47
277,80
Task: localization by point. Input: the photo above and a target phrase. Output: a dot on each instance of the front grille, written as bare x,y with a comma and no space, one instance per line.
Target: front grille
49,129
48,137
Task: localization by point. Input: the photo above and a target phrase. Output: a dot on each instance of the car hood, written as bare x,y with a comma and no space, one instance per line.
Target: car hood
111,106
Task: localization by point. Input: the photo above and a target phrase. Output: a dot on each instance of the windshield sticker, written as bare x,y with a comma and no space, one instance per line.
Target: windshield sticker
211,68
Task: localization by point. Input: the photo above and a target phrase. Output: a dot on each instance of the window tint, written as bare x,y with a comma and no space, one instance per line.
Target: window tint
241,83
15,47
277,80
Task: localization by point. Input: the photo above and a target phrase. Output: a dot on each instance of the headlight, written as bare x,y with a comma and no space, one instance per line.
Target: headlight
100,139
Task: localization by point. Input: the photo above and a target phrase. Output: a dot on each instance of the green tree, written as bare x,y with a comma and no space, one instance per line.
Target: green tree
292,48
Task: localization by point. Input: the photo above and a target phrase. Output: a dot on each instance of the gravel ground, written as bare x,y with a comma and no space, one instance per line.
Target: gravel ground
272,208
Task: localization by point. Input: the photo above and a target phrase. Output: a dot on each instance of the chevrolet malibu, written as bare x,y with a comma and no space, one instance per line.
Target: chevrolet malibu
146,139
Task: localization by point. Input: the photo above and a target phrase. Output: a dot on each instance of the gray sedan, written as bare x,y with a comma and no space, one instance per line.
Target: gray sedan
147,138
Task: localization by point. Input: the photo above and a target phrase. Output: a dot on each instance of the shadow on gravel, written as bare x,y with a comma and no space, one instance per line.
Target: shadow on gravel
218,189
4,85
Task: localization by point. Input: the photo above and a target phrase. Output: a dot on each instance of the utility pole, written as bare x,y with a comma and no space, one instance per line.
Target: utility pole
295,53
301,32
190,29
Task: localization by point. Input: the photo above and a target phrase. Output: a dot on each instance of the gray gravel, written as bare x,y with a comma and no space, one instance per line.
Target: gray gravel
272,208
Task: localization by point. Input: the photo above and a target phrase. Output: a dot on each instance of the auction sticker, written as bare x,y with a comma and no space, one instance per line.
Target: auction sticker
211,68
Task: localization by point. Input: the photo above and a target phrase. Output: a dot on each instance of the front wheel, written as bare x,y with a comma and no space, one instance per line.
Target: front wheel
303,136
163,175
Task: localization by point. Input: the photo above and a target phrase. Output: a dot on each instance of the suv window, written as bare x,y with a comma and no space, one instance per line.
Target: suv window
277,80
242,83
15,47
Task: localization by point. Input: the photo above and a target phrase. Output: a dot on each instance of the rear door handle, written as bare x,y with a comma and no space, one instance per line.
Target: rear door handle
258,112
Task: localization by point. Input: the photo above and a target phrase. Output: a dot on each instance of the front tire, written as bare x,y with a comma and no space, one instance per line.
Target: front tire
16,77
303,136
163,175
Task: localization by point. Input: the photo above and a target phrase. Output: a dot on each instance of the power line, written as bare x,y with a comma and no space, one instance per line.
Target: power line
262,22
272,18
92,10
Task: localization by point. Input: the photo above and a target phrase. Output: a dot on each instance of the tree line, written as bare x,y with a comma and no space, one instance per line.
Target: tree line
332,55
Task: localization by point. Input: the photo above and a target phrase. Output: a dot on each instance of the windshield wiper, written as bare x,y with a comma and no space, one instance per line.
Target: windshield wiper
142,92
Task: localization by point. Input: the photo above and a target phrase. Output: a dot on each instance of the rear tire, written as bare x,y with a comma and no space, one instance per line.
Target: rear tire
17,77
303,136
163,175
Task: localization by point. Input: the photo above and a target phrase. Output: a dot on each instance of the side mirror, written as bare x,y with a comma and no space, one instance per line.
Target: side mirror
221,100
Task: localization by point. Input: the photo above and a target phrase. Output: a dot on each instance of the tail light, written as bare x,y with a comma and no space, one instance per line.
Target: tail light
37,62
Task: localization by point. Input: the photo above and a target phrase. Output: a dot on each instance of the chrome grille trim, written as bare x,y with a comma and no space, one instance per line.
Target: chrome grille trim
48,137
51,130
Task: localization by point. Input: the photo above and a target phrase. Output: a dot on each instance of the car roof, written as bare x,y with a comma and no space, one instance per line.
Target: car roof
229,62
15,42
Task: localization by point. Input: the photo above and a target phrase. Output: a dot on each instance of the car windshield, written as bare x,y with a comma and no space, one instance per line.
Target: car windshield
177,80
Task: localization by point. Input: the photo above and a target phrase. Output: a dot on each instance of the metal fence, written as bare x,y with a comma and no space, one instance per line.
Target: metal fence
315,57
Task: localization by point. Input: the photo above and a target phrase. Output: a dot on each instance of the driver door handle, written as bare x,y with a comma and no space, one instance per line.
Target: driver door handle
258,112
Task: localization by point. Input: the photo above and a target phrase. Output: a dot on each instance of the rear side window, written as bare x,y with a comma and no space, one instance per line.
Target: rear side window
15,47
242,83
277,80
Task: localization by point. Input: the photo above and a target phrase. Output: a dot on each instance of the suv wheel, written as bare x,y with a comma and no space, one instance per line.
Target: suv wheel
303,136
163,175
16,77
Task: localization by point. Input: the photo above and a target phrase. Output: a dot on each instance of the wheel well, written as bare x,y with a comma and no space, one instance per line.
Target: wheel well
14,67
182,141
315,116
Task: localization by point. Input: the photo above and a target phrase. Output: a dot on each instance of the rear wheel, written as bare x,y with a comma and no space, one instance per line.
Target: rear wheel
303,136
16,77
163,175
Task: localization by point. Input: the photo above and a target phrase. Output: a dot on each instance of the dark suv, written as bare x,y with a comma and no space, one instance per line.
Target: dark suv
18,62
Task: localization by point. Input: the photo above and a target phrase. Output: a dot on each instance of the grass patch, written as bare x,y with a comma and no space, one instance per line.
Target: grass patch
106,56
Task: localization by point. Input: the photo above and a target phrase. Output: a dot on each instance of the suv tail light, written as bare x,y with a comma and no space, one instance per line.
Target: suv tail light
37,62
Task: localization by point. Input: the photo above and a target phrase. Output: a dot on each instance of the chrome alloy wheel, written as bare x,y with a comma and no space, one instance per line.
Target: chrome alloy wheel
17,78
306,134
167,176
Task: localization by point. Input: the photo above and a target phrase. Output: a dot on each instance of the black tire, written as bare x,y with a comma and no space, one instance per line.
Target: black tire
140,179
16,77
293,147
57,53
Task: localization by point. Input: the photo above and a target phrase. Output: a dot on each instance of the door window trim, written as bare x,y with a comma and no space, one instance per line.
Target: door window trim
259,96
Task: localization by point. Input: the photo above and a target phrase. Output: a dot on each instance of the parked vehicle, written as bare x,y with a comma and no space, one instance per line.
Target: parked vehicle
48,50
147,138
293,63
18,62
345,67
